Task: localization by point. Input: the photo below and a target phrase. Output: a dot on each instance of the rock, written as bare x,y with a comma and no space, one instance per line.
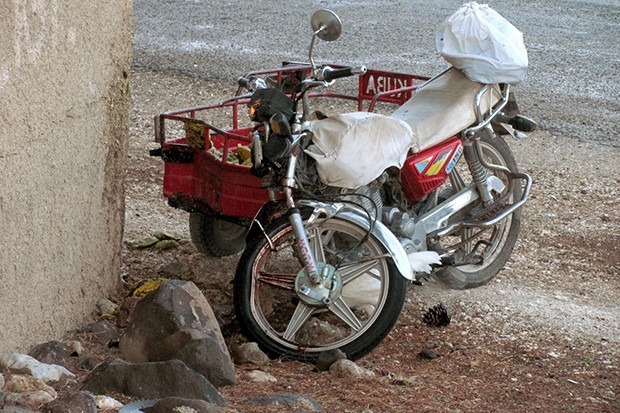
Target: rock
258,376
74,348
1,381
167,235
180,405
292,402
126,310
2,397
175,269
144,243
52,352
28,391
78,402
349,370
176,322
318,332
105,306
16,409
33,399
250,353
327,358
154,380
107,403
103,330
19,383
85,364
166,244
23,364
429,354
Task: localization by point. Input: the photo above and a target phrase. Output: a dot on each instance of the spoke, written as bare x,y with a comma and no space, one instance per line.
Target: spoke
284,281
317,242
467,235
349,272
300,316
342,310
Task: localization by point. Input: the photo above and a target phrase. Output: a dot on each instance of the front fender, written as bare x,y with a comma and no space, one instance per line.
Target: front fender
358,217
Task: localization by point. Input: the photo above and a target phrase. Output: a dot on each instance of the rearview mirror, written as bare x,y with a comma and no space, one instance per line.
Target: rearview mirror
326,25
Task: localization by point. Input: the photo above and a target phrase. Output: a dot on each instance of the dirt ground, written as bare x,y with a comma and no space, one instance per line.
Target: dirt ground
544,336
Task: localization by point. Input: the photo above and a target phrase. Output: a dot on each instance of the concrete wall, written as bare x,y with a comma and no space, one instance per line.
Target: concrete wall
64,104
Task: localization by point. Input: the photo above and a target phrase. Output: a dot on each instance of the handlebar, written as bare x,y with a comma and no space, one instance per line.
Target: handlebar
328,74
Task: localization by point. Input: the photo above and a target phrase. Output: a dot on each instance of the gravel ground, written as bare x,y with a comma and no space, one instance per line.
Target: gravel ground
572,89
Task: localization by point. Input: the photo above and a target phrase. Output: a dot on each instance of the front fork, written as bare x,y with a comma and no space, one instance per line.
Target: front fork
306,256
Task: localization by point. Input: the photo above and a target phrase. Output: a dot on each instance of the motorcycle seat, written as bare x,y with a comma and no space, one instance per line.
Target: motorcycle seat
442,107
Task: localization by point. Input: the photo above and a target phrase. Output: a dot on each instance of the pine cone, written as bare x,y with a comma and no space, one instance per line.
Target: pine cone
437,316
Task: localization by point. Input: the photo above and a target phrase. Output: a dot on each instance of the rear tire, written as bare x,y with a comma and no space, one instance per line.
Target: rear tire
214,236
501,238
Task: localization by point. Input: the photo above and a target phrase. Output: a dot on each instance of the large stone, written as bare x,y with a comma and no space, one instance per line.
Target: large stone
26,390
19,383
32,399
102,330
52,352
154,380
23,364
78,402
177,322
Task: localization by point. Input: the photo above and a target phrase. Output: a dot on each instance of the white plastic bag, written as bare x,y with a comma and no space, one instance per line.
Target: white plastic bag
485,46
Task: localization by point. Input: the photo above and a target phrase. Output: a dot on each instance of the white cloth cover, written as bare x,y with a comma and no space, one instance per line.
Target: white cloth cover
443,107
353,149
484,45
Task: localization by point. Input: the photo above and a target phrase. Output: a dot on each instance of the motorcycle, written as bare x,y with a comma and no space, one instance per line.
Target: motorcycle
338,215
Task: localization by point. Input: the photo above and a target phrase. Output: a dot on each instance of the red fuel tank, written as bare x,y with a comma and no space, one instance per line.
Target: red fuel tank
424,172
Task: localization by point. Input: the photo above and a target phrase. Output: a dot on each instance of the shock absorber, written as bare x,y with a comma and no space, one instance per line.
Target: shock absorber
479,173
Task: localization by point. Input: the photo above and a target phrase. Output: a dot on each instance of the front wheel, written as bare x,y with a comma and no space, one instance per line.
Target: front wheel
366,292
492,246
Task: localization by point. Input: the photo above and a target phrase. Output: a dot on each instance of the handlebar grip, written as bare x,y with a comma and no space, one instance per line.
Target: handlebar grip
330,74
252,83
243,82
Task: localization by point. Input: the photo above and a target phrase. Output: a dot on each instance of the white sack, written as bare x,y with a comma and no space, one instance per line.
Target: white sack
353,149
485,46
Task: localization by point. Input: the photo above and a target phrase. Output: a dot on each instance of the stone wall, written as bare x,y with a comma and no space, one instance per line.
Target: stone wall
64,105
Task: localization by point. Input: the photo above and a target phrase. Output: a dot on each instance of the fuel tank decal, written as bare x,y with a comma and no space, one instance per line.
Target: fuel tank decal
455,158
421,166
440,161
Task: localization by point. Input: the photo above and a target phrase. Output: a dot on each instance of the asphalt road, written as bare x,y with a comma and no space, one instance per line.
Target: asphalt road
572,88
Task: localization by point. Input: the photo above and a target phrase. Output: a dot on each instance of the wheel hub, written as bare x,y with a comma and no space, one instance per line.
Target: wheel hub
320,294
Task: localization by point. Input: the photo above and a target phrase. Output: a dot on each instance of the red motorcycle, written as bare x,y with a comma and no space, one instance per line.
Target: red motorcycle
337,213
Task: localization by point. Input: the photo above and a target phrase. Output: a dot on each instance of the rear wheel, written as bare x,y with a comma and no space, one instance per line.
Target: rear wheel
366,292
492,245
214,236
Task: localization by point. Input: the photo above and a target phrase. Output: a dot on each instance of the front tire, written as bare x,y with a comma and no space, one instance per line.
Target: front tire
495,244
283,323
